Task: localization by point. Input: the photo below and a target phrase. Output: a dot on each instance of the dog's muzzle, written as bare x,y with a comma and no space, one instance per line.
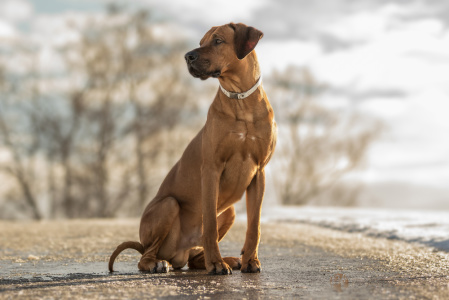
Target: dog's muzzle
191,56
192,64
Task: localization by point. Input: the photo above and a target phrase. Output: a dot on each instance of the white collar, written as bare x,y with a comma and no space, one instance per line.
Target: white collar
243,95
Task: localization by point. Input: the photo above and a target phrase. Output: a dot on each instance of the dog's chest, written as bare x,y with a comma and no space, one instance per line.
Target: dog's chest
249,140
244,149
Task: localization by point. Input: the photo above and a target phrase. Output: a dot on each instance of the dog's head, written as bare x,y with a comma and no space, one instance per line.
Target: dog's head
220,48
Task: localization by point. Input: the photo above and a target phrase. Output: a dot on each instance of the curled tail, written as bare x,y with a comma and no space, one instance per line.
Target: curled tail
126,245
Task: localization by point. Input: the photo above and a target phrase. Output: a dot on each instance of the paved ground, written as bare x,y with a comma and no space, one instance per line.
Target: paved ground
68,259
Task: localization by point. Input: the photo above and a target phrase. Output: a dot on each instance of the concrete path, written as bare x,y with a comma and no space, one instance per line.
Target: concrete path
68,259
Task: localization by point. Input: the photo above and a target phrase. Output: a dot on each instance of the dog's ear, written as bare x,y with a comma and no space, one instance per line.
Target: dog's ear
245,39
208,34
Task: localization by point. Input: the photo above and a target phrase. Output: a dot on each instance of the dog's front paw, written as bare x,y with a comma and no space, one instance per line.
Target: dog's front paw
235,263
252,266
219,268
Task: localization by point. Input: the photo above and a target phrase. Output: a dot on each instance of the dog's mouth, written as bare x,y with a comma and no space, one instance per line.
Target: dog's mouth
203,75
216,74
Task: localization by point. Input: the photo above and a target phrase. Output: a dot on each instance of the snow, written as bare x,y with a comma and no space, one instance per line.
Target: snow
430,228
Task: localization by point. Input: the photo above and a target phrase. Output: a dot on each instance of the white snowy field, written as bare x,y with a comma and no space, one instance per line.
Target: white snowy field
430,228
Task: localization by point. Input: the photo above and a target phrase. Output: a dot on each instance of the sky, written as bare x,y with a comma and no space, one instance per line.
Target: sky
389,59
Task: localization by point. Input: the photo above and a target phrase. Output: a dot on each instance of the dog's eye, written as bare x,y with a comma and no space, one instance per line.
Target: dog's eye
218,41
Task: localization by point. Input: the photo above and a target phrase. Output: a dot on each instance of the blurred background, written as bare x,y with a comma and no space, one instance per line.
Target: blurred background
96,103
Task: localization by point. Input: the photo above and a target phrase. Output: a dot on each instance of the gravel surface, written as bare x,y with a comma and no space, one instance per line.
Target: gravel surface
68,259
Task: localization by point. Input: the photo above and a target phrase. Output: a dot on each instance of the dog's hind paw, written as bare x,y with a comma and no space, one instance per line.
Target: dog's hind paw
234,263
162,267
154,266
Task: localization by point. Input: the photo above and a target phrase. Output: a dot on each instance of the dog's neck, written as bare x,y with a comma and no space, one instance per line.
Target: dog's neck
242,76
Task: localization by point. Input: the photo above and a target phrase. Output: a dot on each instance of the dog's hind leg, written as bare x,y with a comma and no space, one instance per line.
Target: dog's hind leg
225,221
159,220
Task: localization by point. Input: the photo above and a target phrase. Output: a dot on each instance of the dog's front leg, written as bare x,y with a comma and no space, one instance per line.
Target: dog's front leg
210,178
254,197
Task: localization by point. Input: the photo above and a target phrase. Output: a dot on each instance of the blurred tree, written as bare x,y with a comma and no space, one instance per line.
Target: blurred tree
317,146
96,140
18,165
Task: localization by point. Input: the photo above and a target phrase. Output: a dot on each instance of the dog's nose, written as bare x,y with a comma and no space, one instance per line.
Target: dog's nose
191,56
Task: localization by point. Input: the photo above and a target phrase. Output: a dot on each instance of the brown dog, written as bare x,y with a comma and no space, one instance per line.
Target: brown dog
193,208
